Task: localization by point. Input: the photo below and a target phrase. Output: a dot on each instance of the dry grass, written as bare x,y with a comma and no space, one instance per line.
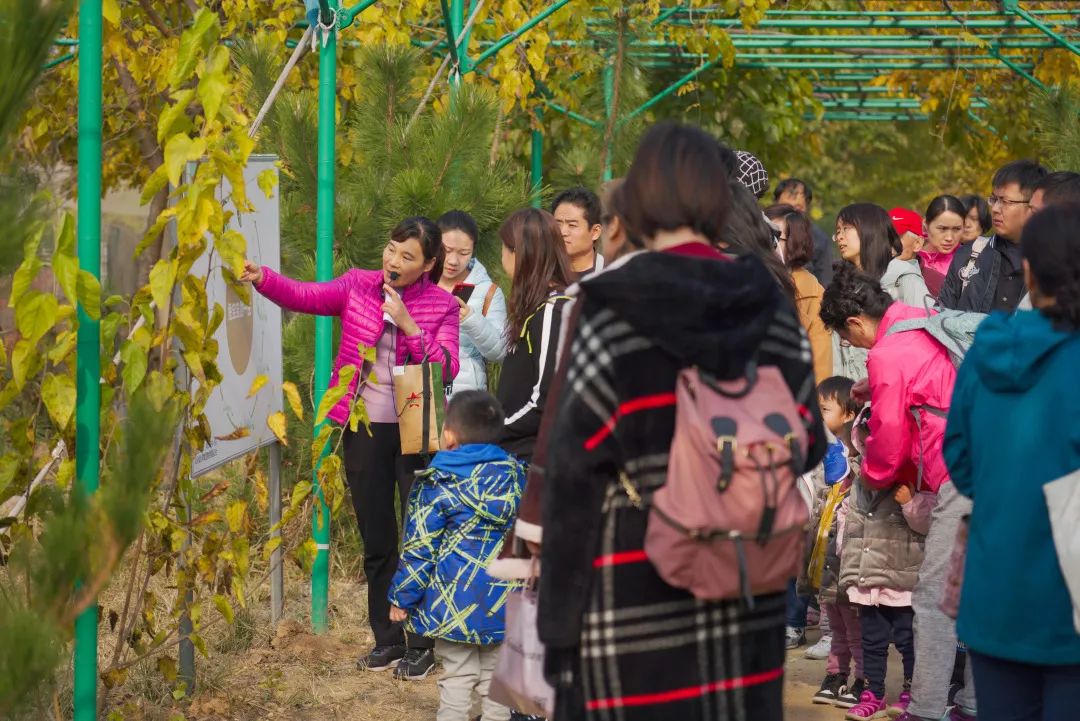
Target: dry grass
256,672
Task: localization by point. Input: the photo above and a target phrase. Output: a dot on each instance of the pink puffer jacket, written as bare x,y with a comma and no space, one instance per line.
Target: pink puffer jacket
907,370
356,297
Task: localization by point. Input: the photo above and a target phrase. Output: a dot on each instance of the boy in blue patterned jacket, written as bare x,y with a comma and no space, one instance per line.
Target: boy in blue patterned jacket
460,509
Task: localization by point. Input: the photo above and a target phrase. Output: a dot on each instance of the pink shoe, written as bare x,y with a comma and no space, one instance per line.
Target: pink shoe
869,707
899,709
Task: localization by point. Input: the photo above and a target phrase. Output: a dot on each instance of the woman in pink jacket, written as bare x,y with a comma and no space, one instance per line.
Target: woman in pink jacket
911,383
401,312
944,233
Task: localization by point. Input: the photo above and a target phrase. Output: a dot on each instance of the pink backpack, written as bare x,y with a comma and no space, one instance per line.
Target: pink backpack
730,521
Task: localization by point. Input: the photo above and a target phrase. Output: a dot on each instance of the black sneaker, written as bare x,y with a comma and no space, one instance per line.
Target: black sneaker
416,664
849,695
830,689
381,658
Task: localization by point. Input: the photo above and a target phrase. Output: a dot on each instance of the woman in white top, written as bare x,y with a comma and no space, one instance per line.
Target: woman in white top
483,305
867,239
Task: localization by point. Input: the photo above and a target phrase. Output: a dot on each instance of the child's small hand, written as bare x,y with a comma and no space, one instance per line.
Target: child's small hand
903,494
398,615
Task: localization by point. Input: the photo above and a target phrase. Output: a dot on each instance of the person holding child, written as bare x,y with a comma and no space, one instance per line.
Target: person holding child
910,377
838,412
459,512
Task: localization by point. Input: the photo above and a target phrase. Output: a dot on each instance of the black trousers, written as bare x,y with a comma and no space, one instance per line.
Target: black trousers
376,469
1012,691
879,624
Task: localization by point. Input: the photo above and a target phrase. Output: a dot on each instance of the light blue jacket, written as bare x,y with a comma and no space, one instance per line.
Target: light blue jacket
483,338
1014,425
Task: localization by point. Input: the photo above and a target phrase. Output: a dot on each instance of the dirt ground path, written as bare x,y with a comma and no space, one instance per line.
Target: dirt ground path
290,674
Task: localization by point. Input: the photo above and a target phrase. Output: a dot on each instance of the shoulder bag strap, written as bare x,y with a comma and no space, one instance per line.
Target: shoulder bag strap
488,298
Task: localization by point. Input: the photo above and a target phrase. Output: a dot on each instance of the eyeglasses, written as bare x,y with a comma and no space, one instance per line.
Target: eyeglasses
994,200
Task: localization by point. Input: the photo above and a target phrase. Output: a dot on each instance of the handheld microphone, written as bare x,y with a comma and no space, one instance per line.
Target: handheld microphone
394,275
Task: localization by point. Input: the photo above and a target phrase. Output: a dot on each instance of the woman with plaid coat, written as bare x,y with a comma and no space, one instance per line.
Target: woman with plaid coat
621,643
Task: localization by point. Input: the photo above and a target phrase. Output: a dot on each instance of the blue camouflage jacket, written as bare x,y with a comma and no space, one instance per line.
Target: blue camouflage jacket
460,509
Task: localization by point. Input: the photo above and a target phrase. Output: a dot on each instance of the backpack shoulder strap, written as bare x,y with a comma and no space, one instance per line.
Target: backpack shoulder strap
488,298
977,247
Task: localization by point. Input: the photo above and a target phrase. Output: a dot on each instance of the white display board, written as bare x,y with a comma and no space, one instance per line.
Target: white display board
250,337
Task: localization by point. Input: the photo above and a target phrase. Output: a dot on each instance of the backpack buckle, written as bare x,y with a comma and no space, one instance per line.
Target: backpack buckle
726,446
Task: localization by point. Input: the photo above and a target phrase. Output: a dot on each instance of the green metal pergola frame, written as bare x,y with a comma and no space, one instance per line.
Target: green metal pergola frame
848,67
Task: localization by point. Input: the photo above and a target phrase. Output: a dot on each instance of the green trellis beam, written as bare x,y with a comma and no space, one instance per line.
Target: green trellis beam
841,115
1013,6
859,24
511,37
897,42
904,103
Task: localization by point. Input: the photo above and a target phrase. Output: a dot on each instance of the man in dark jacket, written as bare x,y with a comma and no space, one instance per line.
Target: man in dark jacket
990,276
798,195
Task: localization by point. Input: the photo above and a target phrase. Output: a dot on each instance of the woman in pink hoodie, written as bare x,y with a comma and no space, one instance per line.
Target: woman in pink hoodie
944,234
911,379
401,313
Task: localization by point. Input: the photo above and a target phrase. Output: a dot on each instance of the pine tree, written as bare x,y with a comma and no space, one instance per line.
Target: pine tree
407,155
27,29
1056,114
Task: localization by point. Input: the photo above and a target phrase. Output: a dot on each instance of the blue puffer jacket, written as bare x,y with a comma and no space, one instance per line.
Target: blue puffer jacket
459,512
1014,425
483,338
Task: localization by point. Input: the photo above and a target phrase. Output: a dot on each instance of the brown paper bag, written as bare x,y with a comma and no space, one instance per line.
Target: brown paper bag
420,400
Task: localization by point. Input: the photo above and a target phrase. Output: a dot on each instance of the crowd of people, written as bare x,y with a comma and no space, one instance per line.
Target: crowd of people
690,384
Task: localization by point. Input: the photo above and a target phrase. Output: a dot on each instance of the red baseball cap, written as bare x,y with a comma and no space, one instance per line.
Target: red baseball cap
907,221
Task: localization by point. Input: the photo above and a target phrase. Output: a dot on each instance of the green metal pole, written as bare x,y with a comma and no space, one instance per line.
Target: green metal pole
88,349
1018,69
571,114
1014,6
671,89
455,23
346,16
324,270
609,110
529,25
537,174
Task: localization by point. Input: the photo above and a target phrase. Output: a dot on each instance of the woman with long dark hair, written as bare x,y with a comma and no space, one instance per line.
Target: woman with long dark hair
746,231
619,638
797,246
867,239
534,257
401,312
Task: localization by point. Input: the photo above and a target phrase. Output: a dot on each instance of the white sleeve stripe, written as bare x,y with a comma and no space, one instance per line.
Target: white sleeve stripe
549,309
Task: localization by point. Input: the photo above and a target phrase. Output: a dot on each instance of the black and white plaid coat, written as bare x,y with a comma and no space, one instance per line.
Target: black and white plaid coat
622,644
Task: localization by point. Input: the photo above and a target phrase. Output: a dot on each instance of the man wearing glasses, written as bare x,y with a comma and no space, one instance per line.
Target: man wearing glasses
989,276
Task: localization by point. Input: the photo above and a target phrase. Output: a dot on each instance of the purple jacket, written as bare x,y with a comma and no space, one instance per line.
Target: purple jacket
356,297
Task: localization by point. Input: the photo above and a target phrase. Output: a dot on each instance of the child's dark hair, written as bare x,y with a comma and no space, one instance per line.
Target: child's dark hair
1051,246
852,293
474,417
838,388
